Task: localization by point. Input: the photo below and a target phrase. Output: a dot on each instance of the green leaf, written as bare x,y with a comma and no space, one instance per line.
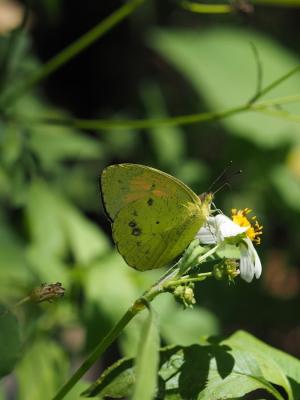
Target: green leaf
246,376
205,59
147,359
287,186
117,381
184,326
56,226
10,344
216,370
44,222
86,240
46,362
54,143
14,274
114,298
289,365
163,138
47,267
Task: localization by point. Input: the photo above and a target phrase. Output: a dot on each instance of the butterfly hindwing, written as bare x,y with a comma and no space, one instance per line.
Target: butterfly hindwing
150,236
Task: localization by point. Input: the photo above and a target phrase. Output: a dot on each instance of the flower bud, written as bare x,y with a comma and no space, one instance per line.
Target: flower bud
47,292
226,269
185,294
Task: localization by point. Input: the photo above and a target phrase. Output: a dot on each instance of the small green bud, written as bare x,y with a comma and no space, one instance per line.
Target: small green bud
185,294
226,269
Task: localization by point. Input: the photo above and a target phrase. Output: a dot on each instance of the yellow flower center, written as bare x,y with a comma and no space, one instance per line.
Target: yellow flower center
240,217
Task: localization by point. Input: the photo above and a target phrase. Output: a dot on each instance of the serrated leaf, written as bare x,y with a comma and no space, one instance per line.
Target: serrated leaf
289,365
235,385
10,343
147,359
216,370
220,65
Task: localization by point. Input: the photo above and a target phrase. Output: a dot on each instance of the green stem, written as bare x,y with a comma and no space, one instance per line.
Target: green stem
102,124
209,253
138,306
206,8
15,306
187,279
73,50
99,349
278,3
275,83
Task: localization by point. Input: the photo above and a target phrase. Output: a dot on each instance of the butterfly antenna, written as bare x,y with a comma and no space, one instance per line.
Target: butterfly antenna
220,176
227,183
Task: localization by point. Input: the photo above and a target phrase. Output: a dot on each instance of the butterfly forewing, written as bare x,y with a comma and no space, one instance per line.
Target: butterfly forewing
122,184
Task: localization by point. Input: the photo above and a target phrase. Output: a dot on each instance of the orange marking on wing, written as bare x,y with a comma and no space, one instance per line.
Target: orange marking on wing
159,193
134,196
140,183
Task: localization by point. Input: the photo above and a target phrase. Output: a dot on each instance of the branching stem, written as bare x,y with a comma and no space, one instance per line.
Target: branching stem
160,286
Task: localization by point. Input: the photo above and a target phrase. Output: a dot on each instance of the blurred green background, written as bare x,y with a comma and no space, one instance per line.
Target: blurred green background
162,61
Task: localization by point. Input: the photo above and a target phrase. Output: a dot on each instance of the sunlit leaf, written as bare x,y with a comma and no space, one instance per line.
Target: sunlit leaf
287,186
219,64
56,226
289,365
216,370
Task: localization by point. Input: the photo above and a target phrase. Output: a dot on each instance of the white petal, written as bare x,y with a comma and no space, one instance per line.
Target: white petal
207,233
255,257
246,265
250,264
227,227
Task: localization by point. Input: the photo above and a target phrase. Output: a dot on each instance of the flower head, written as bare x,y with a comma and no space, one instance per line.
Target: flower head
254,230
239,231
47,292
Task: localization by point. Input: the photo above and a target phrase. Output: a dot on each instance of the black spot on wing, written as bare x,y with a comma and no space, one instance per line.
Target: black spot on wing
150,201
132,224
136,232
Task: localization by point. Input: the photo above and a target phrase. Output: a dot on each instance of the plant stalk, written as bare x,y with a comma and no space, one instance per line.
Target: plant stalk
99,349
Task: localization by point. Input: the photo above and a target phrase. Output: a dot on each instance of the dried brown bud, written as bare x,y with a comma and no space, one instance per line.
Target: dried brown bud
47,292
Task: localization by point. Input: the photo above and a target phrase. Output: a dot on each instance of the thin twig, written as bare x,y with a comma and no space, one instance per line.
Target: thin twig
259,72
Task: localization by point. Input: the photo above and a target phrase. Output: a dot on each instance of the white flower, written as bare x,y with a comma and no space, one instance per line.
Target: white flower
220,229
250,264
